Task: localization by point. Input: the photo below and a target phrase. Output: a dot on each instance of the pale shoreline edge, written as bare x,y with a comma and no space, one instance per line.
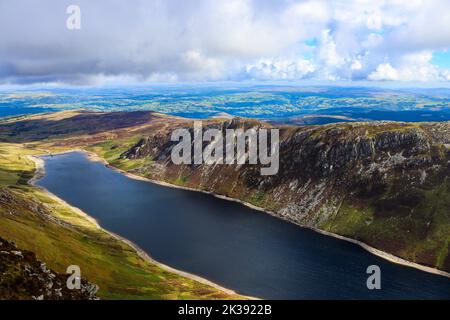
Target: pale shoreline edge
382,254
40,171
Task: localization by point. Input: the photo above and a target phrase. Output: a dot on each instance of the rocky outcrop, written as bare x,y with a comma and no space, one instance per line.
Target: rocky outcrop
338,154
22,276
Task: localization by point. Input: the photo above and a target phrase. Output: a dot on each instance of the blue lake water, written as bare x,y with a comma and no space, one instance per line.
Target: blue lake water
242,249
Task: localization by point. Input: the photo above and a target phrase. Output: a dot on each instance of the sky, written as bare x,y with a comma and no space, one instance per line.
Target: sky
154,41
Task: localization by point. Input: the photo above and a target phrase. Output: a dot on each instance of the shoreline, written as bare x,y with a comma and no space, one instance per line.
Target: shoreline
40,172
380,253
377,252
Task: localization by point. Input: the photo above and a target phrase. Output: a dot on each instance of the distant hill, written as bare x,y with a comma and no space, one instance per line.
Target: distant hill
281,103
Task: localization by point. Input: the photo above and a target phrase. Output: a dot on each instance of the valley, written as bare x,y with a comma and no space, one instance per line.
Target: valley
385,184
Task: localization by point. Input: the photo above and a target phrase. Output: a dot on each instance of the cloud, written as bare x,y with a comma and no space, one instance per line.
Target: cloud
412,67
211,40
384,72
279,69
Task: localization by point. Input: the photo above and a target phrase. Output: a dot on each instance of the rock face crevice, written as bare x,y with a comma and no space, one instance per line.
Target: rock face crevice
351,179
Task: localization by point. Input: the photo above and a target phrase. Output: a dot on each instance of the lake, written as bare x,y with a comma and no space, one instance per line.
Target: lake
228,243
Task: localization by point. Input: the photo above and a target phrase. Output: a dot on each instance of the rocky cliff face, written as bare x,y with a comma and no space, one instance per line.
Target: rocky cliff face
384,183
22,276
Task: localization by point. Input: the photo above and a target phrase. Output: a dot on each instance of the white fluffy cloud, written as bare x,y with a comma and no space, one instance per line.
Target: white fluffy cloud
278,69
209,40
411,67
384,72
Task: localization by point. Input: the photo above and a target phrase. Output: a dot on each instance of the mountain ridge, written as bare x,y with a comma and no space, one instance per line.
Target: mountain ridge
389,169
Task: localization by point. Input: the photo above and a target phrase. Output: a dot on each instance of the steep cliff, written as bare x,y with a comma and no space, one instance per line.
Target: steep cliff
385,183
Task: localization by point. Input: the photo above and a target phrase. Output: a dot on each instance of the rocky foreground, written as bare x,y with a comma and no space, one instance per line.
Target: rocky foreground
22,276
